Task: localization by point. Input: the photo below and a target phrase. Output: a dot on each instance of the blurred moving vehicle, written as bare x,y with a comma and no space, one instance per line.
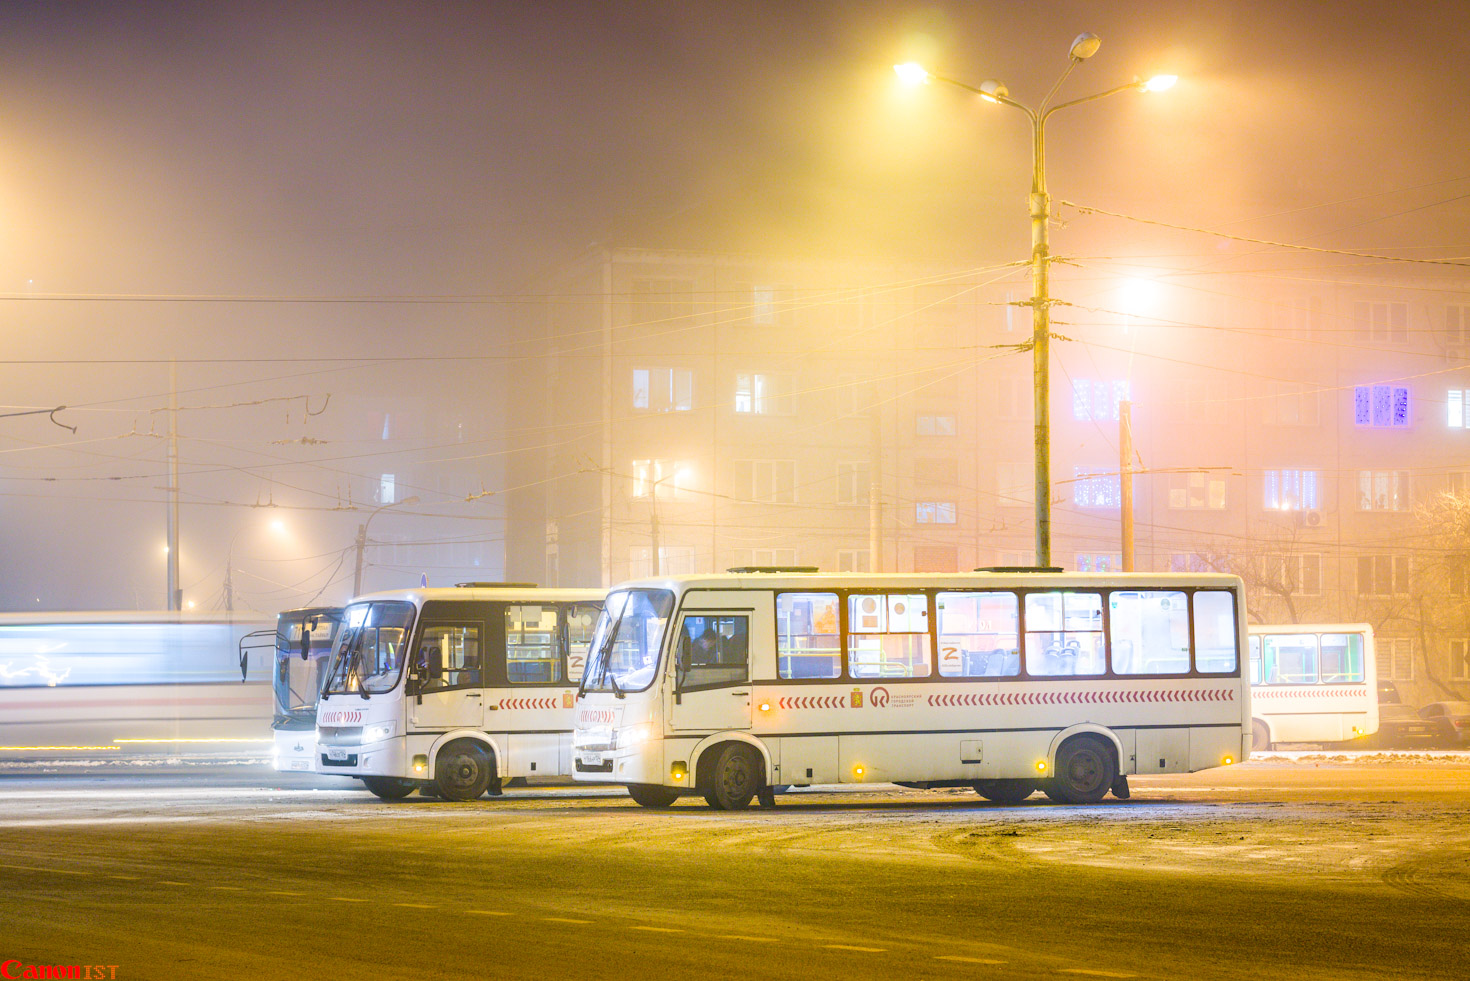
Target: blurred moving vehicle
1451,721
131,683
1399,727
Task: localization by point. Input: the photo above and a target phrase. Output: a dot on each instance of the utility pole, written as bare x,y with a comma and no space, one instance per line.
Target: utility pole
175,591
1125,479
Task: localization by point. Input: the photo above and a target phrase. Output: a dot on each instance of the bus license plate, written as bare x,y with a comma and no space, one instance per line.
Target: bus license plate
592,759
336,754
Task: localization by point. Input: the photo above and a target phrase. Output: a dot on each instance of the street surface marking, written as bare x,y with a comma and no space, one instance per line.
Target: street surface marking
32,868
416,905
170,882
1096,974
966,960
658,929
228,888
486,912
865,950
129,878
273,892
347,899
562,919
754,940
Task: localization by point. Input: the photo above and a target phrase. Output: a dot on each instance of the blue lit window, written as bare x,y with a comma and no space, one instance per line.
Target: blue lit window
1381,406
1097,400
935,512
1095,490
1292,490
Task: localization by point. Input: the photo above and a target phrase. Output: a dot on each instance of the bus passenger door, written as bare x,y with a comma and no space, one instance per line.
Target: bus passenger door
445,684
711,672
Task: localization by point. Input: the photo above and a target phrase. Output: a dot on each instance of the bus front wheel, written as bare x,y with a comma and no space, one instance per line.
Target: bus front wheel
1085,771
652,795
734,779
389,788
463,771
1005,791
1260,737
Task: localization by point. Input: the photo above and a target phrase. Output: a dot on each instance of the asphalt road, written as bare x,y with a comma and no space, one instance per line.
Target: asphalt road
1299,869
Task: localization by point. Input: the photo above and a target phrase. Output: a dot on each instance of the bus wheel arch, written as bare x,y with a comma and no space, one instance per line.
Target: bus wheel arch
1086,761
464,768
730,770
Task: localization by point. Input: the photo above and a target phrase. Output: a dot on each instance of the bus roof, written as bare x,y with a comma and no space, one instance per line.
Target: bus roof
941,580
1310,628
420,595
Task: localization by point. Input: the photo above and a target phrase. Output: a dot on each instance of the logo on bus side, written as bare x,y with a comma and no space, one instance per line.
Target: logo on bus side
879,697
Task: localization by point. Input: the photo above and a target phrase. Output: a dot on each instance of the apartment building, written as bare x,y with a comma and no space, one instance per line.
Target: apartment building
685,412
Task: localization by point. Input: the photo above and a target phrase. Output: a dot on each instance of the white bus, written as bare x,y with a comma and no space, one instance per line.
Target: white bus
131,683
486,696
301,643
733,686
1312,683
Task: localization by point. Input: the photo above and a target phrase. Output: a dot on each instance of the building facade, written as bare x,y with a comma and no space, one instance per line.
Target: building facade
703,411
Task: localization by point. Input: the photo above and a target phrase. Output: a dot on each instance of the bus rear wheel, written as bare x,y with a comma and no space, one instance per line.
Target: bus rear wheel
389,788
463,771
652,795
1005,791
1085,771
734,779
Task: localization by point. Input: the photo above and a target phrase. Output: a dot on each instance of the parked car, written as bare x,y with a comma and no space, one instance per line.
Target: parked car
1399,727
1451,721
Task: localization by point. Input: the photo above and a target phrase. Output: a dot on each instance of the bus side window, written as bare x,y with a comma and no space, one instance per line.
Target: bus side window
1214,631
713,650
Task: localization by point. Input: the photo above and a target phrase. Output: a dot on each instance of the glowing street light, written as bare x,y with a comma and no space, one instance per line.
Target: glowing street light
1083,47
362,538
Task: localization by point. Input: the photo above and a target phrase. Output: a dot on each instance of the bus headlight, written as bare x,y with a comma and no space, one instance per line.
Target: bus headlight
379,732
632,736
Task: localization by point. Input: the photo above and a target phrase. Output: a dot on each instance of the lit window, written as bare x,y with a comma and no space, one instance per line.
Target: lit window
936,425
1099,562
386,489
759,394
663,389
1383,490
1095,490
1381,406
1197,491
1097,400
935,512
1457,401
1291,490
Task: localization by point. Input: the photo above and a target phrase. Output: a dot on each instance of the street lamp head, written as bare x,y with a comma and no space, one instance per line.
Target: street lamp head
993,91
411,499
1085,46
911,73
1158,83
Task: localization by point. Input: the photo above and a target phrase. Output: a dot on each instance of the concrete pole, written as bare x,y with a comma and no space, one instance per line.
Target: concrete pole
175,590
1125,479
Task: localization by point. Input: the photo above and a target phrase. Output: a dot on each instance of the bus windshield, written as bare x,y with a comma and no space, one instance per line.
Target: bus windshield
372,649
627,641
303,644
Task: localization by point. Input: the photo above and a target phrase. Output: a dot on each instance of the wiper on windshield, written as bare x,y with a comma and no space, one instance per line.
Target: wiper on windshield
602,654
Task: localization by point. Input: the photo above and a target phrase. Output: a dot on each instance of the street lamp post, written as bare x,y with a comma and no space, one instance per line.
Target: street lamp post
655,533
1084,47
362,530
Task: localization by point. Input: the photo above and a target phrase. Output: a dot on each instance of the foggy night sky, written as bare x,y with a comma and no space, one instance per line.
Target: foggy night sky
421,148
279,151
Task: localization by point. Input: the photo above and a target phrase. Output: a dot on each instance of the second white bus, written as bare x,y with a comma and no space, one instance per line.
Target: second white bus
1312,683
732,686
452,691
